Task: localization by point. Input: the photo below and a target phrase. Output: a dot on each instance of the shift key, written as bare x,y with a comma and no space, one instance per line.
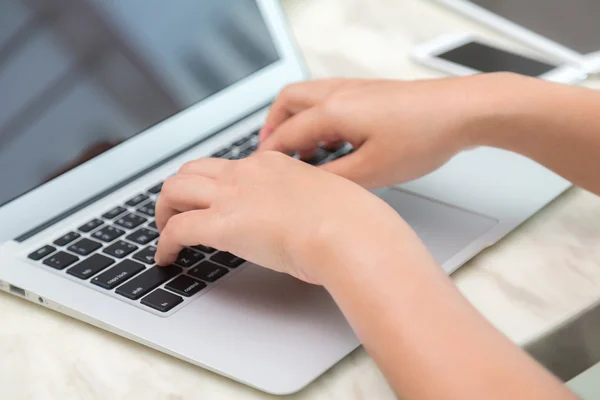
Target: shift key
149,280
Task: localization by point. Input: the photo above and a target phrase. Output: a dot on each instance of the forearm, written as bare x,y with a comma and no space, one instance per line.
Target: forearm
428,340
555,125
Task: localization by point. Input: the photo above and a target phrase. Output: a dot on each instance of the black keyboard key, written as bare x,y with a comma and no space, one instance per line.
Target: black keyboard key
220,153
208,271
252,147
91,266
185,286
245,153
155,189
152,225
90,226
137,200
318,158
84,247
143,236
66,239
227,259
147,209
241,141
161,300
120,249
118,274
130,221
149,280
146,255
41,253
108,234
204,249
114,213
187,258
60,260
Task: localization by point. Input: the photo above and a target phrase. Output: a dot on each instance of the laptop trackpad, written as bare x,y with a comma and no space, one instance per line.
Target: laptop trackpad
443,228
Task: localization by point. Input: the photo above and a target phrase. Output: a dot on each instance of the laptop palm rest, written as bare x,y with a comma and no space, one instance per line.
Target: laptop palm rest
443,228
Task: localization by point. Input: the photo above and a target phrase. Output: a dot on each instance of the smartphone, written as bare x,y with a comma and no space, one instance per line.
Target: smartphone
464,54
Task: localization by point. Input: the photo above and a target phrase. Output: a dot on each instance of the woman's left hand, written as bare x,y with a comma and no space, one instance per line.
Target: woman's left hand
275,211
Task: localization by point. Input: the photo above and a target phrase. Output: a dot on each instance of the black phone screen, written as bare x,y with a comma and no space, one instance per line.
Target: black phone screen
484,58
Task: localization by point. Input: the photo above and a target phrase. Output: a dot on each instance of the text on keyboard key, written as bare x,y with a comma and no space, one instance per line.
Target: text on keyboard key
130,221
41,253
91,225
143,236
185,286
137,200
227,259
118,274
84,247
108,234
204,249
60,260
208,271
120,249
187,258
146,255
66,239
90,266
149,280
161,300
114,213
147,209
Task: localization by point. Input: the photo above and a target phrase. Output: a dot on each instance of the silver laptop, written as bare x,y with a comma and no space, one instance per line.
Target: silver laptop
101,101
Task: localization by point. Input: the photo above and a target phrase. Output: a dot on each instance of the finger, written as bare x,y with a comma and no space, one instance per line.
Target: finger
183,193
302,132
295,98
354,167
207,167
186,229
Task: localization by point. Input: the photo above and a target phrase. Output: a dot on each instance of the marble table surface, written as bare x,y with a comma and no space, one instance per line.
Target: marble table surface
539,275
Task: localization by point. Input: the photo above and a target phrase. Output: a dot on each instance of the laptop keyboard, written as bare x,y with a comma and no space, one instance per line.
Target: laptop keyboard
115,251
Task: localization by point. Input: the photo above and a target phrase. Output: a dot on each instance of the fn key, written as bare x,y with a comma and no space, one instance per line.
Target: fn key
161,300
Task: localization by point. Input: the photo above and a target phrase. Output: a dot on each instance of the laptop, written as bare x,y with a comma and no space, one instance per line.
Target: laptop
102,101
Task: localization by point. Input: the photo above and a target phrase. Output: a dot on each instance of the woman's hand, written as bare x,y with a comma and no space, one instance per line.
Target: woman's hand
401,130
275,211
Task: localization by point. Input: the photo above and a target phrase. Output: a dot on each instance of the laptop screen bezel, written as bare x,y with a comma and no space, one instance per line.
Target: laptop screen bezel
168,137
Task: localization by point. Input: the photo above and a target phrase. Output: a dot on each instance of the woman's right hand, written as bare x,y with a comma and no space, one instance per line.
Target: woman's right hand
400,130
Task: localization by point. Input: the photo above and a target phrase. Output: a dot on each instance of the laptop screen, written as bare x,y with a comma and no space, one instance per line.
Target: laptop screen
78,77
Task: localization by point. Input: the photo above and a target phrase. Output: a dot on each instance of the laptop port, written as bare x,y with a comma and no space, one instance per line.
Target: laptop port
17,290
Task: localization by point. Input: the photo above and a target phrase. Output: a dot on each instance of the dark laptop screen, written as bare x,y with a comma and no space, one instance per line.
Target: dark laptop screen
78,77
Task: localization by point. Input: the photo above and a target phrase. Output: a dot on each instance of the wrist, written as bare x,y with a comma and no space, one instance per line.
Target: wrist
501,109
344,256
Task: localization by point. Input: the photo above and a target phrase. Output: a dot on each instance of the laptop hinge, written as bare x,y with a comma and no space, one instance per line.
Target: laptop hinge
45,225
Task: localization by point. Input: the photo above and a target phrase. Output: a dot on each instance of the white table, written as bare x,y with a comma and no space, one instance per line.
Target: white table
538,276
